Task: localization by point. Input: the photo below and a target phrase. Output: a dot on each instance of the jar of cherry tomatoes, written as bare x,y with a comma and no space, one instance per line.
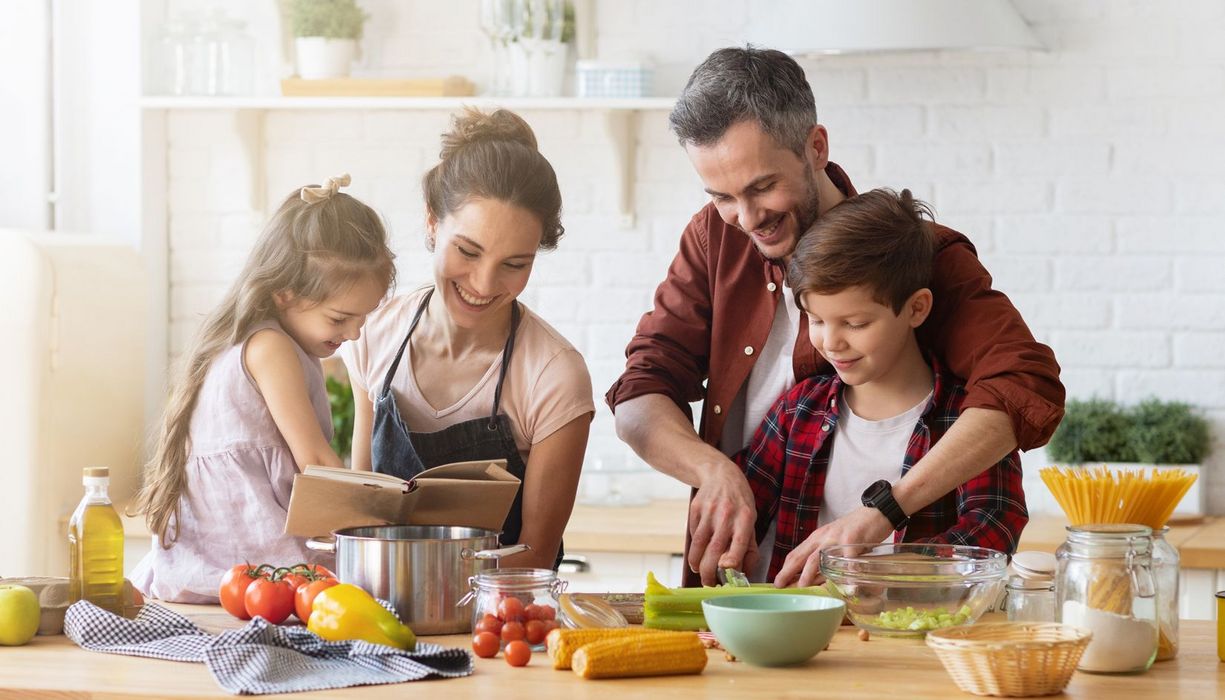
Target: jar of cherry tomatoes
516,604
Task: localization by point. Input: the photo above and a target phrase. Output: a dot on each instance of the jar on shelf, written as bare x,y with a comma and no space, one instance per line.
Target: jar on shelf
1030,591
1104,583
1165,573
516,603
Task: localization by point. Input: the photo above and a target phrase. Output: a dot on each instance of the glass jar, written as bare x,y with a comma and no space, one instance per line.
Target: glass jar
516,604
1104,583
1030,600
1165,573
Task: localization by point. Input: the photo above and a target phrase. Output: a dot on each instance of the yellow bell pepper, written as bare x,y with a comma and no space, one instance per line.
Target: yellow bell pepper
345,612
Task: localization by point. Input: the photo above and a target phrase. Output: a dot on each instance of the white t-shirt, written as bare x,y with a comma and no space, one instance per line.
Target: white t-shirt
864,451
547,384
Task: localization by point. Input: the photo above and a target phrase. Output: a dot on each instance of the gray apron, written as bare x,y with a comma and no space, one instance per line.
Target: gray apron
396,450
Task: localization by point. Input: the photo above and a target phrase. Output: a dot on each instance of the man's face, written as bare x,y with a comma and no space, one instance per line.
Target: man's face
759,187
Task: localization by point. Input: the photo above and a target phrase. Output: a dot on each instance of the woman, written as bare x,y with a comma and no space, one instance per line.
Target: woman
462,371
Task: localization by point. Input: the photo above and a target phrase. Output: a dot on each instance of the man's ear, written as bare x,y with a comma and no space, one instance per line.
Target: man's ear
816,148
919,307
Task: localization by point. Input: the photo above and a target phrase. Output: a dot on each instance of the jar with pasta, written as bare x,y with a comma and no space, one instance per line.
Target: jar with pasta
1165,574
1104,583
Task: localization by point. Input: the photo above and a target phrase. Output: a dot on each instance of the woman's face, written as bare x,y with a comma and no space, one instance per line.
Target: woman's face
483,255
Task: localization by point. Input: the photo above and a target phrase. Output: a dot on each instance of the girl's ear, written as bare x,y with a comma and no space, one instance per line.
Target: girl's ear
283,299
919,306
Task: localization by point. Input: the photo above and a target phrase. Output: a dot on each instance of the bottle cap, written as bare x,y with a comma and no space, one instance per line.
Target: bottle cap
1034,565
97,472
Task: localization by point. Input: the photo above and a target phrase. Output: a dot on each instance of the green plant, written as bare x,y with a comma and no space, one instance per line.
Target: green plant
340,398
333,19
1152,432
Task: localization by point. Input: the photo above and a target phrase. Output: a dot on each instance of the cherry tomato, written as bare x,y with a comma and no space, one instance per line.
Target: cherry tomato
234,588
513,631
531,612
486,644
546,612
304,597
489,623
517,653
535,630
271,600
510,609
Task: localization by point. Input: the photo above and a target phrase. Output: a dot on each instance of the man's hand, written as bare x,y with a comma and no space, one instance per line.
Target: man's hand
862,525
722,519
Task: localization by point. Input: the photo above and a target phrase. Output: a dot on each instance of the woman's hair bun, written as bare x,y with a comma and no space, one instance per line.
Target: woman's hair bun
473,126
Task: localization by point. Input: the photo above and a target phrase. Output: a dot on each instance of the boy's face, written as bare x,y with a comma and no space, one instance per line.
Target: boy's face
862,338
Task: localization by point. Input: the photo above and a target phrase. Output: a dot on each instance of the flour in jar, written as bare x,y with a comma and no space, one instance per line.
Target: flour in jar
1120,643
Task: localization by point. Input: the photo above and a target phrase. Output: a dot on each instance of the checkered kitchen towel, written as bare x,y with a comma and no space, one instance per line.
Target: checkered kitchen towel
260,657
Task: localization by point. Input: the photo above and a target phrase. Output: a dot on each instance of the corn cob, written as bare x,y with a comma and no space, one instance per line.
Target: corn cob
656,654
562,643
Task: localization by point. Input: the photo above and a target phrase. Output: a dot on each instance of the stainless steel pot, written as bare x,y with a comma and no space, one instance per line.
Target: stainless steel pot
422,570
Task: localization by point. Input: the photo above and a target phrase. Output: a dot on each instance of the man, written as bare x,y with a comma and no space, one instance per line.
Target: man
725,328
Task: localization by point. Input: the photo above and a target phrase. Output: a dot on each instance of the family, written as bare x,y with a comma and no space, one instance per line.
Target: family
859,378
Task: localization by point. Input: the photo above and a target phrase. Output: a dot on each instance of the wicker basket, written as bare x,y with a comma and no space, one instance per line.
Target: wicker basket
1010,659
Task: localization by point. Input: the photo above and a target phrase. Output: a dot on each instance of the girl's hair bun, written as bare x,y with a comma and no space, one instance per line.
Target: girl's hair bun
474,126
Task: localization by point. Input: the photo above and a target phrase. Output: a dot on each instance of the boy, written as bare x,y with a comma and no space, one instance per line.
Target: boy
836,442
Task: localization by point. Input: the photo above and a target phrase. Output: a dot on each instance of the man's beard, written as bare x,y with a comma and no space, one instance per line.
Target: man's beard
806,212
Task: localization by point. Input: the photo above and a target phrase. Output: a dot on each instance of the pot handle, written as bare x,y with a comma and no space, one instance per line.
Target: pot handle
468,554
322,544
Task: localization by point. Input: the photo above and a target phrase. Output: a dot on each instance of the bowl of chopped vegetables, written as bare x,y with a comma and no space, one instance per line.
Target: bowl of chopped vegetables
909,589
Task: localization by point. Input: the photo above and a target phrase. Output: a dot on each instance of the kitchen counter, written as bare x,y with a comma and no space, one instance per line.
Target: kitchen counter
54,667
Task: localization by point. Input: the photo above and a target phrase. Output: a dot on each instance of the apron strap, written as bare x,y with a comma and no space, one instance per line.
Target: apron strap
506,352
395,364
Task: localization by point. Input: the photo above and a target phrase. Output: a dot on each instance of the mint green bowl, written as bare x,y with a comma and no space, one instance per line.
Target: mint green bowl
773,630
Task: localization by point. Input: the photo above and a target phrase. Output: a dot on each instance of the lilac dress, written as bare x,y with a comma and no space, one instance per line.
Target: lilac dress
239,476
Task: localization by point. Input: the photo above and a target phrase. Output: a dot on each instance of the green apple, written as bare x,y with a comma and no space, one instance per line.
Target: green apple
18,615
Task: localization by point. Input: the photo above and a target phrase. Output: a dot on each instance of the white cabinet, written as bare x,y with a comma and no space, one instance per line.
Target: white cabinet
618,572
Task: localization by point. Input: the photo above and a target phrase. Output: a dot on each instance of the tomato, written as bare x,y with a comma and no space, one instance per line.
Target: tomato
295,580
234,586
512,631
271,600
304,596
315,570
510,609
486,644
517,653
489,623
535,631
546,612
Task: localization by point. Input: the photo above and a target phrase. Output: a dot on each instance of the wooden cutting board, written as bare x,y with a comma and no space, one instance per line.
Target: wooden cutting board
451,86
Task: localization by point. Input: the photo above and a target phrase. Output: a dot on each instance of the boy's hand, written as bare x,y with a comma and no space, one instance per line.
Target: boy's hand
804,562
722,519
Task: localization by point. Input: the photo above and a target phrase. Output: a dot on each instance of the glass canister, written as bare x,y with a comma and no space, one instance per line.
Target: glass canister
516,603
1165,573
1029,595
1104,583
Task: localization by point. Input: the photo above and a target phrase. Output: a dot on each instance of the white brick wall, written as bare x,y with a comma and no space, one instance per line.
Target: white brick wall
1088,175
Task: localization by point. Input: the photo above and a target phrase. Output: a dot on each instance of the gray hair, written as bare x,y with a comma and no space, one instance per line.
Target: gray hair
738,84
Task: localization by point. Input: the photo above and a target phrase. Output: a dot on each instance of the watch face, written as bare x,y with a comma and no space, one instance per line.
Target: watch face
873,493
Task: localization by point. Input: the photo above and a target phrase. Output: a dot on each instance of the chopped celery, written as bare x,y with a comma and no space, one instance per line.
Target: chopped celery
674,620
914,620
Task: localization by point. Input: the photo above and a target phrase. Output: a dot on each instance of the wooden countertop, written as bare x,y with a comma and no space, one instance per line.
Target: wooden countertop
53,667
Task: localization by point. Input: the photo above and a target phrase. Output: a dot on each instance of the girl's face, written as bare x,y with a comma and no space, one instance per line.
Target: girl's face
320,327
483,255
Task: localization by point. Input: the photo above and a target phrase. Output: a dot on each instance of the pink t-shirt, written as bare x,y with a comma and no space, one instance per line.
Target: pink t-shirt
547,384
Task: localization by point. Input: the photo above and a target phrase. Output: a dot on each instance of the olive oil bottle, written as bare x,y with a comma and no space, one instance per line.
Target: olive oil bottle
95,540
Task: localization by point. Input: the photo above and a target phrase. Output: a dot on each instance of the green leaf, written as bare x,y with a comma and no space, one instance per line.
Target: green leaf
334,19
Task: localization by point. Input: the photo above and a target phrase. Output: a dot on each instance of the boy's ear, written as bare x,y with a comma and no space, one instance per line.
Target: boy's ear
919,306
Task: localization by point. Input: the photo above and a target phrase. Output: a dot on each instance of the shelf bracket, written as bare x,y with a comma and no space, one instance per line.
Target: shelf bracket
621,126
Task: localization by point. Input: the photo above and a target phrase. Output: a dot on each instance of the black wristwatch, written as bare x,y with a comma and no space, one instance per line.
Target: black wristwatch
880,496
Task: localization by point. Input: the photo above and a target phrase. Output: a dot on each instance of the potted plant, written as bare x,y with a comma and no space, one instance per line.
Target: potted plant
1153,433
325,36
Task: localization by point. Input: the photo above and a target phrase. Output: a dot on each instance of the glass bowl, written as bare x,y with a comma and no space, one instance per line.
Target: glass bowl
907,590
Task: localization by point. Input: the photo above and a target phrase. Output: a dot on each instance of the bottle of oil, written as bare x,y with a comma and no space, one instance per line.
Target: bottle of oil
95,539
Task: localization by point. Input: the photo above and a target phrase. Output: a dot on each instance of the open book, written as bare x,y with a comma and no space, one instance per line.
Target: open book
470,494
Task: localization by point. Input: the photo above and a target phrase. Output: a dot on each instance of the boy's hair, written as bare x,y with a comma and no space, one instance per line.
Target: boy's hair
746,84
493,155
315,246
878,239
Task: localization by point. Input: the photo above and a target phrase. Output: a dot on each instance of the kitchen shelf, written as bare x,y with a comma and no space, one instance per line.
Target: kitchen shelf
620,122
277,102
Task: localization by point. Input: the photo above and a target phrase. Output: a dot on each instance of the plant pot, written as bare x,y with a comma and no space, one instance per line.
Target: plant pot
320,57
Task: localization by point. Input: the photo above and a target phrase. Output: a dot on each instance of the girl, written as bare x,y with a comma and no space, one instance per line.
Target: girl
461,370
250,408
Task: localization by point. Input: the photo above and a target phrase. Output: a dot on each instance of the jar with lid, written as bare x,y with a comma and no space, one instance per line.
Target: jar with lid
516,603
1165,573
1029,595
1104,583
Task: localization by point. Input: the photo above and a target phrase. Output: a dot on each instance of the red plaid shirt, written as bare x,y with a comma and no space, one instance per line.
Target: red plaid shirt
786,463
